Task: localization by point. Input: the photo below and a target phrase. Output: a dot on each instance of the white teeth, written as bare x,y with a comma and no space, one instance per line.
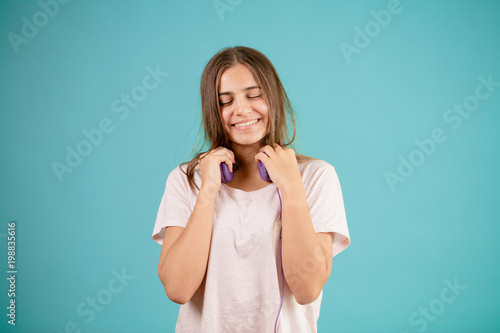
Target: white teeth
247,123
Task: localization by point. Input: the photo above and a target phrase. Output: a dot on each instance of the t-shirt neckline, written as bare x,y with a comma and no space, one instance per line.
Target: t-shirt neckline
248,192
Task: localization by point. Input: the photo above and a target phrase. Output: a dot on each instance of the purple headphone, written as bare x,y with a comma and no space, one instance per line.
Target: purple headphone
227,176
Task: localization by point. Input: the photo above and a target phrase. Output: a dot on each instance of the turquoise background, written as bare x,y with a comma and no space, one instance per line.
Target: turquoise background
360,113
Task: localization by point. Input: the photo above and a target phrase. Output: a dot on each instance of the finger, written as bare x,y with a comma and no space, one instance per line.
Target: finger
219,151
290,151
268,150
202,155
224,151
211,152
222,155
217,160
226,156
230,154
262,156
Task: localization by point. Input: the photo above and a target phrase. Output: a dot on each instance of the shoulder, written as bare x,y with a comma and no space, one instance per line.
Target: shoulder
177,174
315,167
321,182
318,175
180,171
178,177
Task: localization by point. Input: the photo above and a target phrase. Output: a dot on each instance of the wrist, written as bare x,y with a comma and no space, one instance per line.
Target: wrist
205,200
294,193
209,191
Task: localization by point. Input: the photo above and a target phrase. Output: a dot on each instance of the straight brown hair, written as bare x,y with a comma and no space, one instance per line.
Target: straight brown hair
281,114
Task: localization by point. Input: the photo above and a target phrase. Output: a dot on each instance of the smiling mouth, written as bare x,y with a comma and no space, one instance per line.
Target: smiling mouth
245,124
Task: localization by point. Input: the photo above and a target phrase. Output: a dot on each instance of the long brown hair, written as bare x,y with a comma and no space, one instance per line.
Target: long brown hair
281,114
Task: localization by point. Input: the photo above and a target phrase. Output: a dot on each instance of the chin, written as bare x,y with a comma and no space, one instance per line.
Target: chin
248,142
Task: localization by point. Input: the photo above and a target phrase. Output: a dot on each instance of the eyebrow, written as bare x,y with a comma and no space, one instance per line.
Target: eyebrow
246,89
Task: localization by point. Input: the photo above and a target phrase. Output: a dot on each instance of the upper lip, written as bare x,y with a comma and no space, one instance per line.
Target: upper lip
244,121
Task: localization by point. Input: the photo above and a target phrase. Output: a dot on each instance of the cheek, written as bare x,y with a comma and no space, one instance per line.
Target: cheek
225,116
262,107
266,114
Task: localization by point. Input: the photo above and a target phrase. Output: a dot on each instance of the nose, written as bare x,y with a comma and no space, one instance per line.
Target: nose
242,106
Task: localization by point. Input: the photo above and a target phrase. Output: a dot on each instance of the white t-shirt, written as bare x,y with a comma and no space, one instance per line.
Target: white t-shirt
241,291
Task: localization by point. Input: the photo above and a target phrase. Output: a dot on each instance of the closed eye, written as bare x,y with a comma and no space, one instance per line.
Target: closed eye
229,102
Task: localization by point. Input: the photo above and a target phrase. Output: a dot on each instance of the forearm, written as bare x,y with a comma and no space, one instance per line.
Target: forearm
304,261
185,263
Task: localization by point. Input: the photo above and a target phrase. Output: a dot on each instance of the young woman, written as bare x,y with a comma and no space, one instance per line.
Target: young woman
248,255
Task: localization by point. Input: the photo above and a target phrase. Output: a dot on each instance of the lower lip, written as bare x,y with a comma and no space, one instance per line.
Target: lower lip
246,127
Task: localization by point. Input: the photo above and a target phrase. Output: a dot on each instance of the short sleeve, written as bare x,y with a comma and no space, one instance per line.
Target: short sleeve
175,208
326,205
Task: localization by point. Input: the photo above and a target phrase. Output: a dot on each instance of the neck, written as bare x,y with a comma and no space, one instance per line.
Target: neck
245,158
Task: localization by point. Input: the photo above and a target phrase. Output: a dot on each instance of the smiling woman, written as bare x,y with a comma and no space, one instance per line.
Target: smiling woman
246,255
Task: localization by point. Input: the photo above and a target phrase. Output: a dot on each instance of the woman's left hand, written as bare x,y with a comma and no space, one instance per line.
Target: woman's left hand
282,166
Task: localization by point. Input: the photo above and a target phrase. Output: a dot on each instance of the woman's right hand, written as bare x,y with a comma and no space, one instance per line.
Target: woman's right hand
210,168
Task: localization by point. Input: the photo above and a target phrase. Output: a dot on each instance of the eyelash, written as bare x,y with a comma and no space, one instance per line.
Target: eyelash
222,104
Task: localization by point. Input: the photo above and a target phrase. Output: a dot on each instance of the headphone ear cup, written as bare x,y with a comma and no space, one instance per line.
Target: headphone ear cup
225,175
263,172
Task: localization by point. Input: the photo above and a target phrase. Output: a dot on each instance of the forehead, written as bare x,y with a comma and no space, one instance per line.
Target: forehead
236,78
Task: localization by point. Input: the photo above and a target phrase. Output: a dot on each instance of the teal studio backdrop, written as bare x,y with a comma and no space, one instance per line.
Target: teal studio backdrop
402,98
